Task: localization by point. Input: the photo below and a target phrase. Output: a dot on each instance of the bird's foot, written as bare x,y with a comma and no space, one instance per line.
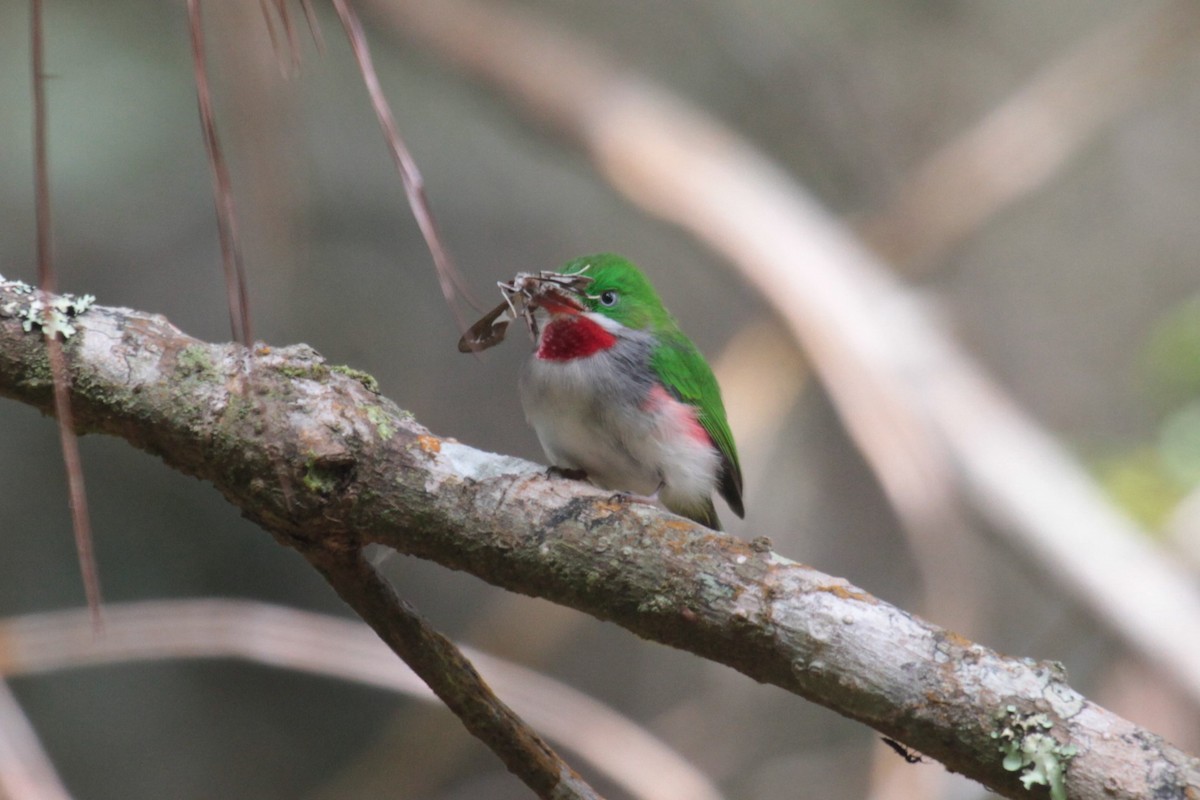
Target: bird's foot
629,497
566,472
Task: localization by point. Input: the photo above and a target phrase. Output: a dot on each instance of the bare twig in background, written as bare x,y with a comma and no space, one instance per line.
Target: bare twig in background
446,671
291,63
80,519
300,640
449,280
1027,140
231,255
314,28
37,42
366,472
285,21
26,772
264,8
251,74
916,404
81,522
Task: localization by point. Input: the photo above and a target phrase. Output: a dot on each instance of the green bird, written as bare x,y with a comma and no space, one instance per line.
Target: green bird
615,389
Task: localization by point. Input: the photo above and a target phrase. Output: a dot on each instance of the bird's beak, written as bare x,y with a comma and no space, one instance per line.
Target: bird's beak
556,302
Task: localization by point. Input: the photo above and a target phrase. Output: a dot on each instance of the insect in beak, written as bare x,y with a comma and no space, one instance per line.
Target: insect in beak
523,295
487,332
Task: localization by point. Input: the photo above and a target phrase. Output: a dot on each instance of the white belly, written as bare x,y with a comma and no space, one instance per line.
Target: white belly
591,414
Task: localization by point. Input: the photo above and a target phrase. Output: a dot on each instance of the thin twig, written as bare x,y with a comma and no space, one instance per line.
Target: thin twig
40,156
223,199
314,27
80,518
287,638
289,62
449,280
231,255
448,673
293,39
264,7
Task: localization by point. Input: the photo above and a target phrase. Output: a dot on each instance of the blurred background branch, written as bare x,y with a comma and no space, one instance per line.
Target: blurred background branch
1024,142
26,771
291,639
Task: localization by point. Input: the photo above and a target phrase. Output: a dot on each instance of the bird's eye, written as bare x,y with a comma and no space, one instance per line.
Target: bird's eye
608,298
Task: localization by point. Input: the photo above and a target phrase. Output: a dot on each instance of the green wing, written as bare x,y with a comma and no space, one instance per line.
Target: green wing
688,377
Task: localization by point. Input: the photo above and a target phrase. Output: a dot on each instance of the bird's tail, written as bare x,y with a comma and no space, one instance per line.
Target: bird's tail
704,513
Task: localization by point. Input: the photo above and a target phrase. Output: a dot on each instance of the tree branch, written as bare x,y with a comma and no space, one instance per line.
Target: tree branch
931,423
357,469
253,407
446,671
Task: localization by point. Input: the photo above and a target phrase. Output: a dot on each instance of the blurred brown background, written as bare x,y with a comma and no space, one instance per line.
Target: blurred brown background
1082,298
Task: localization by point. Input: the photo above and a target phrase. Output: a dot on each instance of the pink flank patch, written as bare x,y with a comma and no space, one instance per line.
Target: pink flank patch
573,336
686,415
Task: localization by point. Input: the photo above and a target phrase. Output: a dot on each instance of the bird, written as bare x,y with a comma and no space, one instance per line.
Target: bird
615,390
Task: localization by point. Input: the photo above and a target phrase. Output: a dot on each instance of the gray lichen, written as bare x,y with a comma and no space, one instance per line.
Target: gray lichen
53,318
1029,748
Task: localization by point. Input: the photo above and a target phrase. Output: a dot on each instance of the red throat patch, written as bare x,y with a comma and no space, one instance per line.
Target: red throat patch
572,336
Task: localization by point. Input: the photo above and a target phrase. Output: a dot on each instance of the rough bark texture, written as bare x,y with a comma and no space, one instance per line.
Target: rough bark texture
315,456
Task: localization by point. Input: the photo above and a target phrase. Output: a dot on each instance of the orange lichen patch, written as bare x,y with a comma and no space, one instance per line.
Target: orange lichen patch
683,540
956,640
679,546
846,592
429,444
610,506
